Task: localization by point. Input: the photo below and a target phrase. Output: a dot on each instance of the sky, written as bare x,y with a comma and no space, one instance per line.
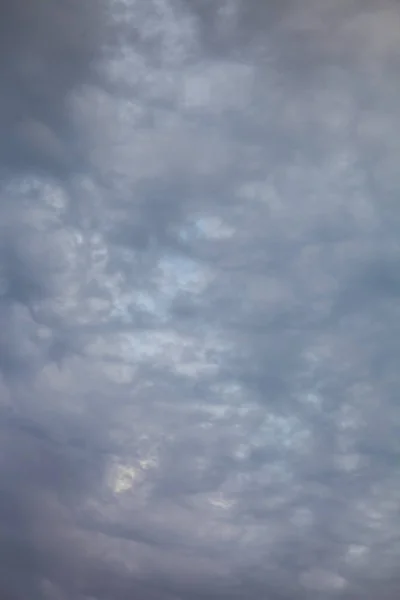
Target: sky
199,300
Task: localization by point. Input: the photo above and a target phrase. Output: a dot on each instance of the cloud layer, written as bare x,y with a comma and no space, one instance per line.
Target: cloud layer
198,299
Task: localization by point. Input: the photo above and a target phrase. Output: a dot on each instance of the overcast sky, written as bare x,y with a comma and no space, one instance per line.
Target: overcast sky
199,299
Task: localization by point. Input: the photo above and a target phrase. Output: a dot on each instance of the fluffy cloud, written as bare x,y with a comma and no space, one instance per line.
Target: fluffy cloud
198,300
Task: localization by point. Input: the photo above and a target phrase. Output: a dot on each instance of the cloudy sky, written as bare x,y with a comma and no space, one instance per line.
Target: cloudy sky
199,299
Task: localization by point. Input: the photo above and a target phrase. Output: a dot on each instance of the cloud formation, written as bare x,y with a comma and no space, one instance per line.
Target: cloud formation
198,300
47,50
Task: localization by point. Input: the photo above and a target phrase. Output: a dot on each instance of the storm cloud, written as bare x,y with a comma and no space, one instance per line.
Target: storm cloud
198,299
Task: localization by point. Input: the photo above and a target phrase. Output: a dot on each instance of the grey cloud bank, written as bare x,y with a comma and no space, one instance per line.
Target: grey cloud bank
199,299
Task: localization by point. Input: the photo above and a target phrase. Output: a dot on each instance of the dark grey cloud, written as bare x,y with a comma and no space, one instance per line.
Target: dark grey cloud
47,50
198,300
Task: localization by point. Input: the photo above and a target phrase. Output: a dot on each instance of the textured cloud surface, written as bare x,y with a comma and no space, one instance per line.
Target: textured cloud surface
199,299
